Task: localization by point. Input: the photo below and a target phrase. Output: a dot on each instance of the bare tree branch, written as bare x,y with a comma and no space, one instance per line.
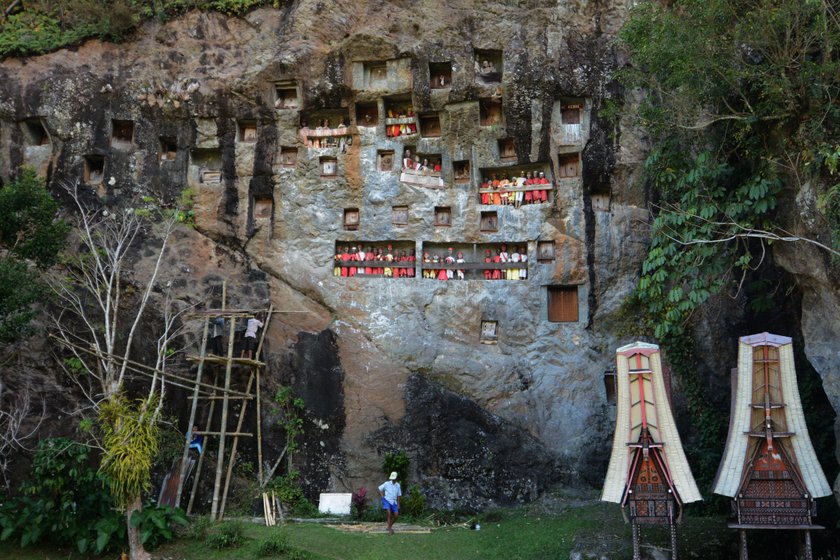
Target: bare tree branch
13,436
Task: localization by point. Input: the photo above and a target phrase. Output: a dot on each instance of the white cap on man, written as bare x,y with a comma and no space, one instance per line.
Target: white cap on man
393,476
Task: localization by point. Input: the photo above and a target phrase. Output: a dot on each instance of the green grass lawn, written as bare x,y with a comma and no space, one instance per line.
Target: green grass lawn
527,533
520,534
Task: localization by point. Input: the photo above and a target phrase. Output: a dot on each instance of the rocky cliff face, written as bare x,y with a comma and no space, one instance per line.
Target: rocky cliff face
493,384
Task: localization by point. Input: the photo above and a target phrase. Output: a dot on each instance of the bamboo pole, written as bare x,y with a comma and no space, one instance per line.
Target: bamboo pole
231,434
191,423
136,367
265,509
198,467
259,434
259,402
214,508
242,411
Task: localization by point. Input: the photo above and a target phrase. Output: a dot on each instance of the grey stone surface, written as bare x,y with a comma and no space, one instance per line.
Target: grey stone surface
197,79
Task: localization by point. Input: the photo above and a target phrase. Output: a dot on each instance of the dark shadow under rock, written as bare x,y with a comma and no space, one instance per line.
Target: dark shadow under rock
463,456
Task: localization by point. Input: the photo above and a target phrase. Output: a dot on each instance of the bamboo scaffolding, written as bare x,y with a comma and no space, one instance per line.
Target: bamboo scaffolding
214,507
259,402
148,371
233,447
198,467
193,409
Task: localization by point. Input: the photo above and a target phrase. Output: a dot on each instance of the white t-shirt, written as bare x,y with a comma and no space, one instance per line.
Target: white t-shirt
253,325
392,491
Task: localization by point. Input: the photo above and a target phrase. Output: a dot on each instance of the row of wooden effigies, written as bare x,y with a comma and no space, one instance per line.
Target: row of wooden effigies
769,467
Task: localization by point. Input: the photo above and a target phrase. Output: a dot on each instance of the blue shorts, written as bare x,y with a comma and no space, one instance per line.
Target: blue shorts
393,508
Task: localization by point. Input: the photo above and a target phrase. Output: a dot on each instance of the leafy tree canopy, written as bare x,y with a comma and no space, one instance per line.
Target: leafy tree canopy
741,104
31,237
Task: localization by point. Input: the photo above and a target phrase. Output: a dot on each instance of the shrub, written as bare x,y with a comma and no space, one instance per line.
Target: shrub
229,534
288,490
156,524
414,503
275,545
198,529
305,508
398,462
358,503
66,502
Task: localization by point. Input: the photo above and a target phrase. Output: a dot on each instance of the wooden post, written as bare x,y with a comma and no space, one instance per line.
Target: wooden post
809,553
673,540
743,554
214,508
199,373
242,411
637,553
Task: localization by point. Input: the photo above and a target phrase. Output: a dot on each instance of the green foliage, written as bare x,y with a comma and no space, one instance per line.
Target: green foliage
20,290
46,25
130,435
291,420
699,207
828,159
29,227
183,211
398,462
229,534
198,529
65,502
275,545
288,490
413,503
30,232
156,524
741,101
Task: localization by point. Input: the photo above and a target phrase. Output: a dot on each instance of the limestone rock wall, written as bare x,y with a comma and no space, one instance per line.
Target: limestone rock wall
222,106
229,110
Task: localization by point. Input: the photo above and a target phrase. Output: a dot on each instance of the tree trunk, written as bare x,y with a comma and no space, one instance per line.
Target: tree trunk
135,547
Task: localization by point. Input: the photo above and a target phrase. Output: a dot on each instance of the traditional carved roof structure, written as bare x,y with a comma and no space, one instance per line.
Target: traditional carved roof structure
768,452
647,453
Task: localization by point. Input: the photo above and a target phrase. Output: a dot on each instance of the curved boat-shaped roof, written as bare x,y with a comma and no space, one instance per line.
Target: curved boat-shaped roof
660,424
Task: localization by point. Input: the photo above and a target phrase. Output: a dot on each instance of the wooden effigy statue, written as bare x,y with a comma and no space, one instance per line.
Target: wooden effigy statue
648,473
769,467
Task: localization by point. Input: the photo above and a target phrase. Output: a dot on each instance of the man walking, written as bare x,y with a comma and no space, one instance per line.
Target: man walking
391,492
